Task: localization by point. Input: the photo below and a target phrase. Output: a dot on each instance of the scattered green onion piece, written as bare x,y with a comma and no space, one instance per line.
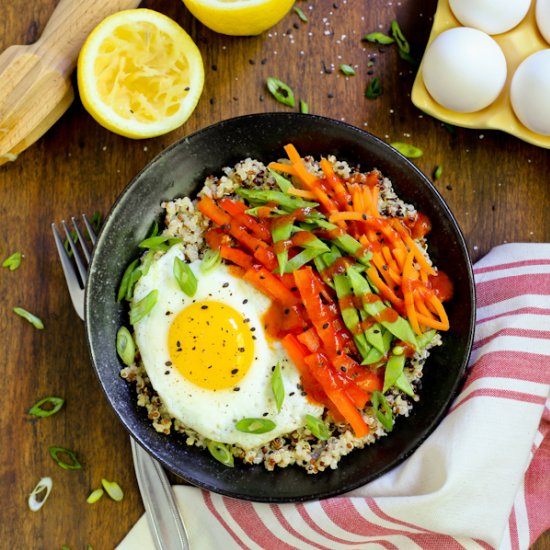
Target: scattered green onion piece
255,425
13,262
374,88
65,547
378,38
300,14
304,108
382,410
112,488
210,260
347,70
32,319
280,91
438,172
89,547
399,37
407,150
317,427
124,283
221,453
185,277
277,386
125,346
74,464
40,494
449,127
38,410
140,309
94,496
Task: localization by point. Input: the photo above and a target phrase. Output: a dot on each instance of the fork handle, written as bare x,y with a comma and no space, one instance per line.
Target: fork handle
68,27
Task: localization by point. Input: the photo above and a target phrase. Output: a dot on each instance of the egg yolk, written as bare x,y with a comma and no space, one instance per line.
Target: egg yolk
211,345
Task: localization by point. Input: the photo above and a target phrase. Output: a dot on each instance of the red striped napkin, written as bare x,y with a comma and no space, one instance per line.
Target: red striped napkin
481,480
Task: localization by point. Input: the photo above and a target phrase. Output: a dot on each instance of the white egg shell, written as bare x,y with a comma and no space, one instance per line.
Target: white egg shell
490,16
464,69
214,413
530,92
543,18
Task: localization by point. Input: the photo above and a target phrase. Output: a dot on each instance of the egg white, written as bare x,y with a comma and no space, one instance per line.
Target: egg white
213,413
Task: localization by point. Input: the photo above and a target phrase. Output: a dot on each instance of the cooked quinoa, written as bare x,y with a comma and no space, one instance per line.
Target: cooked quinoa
300,447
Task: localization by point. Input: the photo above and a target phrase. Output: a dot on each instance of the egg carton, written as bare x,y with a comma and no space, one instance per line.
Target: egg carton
516,44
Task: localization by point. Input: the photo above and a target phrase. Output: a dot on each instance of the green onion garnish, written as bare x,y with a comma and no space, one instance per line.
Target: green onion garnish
185,277
304,107
159,242
112,488
348,70
13,262
74,464
378,38
438,172
94,496
140,309
96,220
221,453
374,88
277,386
280,91
125,282
125,346
32,319
210,260
383,410
255,425
403,45
54,405
301,14
40,494
67,244
407,150
317,427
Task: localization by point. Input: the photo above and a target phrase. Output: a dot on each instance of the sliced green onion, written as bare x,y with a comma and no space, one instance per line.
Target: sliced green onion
55,404
154,231
378,38
125,282
65,547
221,453
67,245
74,464
125,346
185,277
112,488
96,220
348,70
374,88
399,37
277,386
94,496
255,425
210,260
280,91
317,427
301,14
143,269
140,309
13,262
407,150
32,319
304,108
438,172
40,494
158,242
382,410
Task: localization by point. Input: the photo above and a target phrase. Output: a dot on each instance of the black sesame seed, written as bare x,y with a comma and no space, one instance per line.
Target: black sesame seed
234,371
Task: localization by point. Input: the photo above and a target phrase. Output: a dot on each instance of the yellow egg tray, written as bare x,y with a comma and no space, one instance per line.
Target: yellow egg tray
517,44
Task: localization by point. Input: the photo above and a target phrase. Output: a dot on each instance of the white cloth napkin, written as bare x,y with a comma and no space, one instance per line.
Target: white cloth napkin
481,480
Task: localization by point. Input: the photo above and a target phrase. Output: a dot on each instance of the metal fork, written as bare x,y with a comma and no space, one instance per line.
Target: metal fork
165,523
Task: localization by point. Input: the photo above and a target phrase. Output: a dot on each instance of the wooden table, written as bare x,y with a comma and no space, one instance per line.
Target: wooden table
496,185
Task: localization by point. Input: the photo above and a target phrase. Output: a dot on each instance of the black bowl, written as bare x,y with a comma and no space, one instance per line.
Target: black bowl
177,172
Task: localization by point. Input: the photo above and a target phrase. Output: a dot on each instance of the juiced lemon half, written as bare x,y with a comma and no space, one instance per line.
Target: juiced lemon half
140,74
239,17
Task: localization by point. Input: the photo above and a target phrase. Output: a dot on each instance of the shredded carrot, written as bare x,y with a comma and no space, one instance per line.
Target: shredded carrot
310,195
422,262
436,303
334,181
284,168
384,289
408,276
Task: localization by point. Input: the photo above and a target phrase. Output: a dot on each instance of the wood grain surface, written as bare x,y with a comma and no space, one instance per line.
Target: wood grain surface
496,185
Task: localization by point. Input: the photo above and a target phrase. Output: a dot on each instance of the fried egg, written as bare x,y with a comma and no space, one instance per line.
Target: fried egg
209,359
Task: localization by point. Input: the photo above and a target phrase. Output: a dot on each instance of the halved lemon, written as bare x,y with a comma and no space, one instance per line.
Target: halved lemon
239,17
140,74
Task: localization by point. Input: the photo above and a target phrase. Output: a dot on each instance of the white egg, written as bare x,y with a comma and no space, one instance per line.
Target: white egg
209,359
543,18
490,16
530,92
464,70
